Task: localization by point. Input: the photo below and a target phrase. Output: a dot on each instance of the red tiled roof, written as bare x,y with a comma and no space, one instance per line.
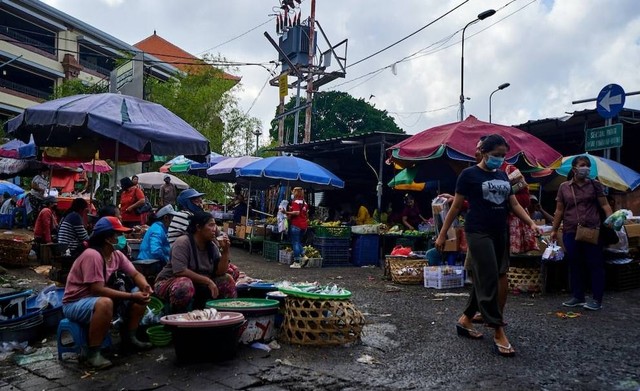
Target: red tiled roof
171,54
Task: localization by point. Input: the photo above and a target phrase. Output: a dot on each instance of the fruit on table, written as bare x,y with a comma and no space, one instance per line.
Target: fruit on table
311,252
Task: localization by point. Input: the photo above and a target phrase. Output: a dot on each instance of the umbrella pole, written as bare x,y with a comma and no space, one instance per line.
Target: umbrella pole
115,175
93,182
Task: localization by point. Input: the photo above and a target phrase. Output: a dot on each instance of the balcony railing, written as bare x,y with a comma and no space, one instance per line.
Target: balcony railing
24,89
28,40
88,64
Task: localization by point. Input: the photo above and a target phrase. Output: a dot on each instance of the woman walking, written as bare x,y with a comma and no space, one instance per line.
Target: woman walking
490,197
577,205
298,224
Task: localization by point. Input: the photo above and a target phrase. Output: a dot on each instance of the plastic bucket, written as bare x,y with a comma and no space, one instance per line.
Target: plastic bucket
205,344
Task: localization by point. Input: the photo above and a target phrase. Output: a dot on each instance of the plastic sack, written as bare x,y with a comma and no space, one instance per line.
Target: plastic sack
617,219
150,318
48,297
402,251
553,253
281,217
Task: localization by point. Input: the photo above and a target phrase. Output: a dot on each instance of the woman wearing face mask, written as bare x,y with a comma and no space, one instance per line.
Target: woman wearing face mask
489,193
298,224
89,300
577,203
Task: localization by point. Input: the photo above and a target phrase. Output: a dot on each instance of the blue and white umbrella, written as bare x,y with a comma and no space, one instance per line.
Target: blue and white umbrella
609,172
292,170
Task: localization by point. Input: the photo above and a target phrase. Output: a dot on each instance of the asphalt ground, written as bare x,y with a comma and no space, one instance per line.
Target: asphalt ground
409,342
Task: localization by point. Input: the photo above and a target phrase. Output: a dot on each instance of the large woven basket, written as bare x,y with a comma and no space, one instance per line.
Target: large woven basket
407,271
14,249
321,322
525,279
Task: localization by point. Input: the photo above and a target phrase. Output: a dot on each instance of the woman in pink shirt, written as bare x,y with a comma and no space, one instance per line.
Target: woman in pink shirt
89,300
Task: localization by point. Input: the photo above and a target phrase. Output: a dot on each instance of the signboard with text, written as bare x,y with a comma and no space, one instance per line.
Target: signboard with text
603,138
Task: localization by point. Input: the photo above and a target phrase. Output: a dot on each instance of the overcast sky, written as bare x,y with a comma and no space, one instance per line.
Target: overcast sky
552,52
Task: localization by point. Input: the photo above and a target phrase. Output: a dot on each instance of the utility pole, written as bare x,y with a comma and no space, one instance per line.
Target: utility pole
308,111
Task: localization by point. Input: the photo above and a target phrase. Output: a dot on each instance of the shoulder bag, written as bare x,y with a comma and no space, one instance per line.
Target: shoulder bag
144,208
584,234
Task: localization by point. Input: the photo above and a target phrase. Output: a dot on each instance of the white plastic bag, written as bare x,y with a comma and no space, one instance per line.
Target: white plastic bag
281,217
48,297
553,253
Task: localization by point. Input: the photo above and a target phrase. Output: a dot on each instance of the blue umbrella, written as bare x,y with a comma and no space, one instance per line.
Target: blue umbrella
293,170
609,172
138,124
10,188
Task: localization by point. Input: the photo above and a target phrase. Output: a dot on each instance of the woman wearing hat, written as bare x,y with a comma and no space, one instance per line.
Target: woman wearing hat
155,244
130,199
89,300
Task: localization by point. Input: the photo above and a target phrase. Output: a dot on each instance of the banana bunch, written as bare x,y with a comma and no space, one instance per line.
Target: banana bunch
311,252
331,224
271,221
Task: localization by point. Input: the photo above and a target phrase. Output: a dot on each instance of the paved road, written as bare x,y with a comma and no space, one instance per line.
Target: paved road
410,335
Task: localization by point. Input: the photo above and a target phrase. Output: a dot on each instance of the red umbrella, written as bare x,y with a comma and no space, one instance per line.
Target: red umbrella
459,139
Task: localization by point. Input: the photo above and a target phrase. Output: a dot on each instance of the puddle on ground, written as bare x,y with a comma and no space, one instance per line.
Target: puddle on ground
376,336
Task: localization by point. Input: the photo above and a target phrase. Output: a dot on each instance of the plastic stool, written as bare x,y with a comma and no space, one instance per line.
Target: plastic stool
79,338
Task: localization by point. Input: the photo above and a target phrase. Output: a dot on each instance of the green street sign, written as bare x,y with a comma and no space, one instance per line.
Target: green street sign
603,138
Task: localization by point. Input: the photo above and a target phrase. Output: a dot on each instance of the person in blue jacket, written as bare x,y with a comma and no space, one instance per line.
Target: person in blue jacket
155,244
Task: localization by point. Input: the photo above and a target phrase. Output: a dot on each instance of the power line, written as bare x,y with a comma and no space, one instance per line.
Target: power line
238,36
414,56
408,36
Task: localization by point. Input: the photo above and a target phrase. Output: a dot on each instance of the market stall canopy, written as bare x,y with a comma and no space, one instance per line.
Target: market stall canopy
140,125
225,171
10,168
153,180
609,172
95,165
10,188
458,141
18,149
291,170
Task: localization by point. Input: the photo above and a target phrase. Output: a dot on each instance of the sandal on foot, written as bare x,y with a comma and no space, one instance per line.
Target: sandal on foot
477,318
468,333
504,351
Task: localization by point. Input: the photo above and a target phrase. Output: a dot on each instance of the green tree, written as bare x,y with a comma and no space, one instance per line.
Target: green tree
337,114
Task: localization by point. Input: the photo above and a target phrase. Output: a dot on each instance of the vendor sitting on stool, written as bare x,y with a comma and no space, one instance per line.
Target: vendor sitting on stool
197,269
90,300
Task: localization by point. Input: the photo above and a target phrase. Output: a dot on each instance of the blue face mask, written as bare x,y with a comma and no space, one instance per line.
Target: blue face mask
494,162
121,244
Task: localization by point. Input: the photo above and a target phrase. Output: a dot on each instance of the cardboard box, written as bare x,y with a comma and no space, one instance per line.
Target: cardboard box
439,210
241,231
633,234
229,228
256,230
451,245
243,220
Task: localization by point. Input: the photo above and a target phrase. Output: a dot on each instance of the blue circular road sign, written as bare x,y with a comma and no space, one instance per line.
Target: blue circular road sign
610,101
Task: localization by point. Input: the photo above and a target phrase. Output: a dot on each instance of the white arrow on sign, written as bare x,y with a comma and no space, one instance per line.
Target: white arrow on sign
609,100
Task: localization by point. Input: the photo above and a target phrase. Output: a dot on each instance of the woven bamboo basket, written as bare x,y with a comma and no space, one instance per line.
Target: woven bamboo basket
525,279
321,322
14,249
407,271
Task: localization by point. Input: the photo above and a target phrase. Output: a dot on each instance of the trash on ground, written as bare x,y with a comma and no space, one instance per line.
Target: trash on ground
43,354
284,362
274,345
392,288
367,359
261,346
43,270
568,315
7,347
161,358
451,294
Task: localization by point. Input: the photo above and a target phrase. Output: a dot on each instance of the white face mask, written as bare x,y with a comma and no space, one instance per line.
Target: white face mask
293,196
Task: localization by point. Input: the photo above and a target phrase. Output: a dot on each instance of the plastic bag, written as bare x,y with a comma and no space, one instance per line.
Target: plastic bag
553,253
617,219
400,250
281,217
48,297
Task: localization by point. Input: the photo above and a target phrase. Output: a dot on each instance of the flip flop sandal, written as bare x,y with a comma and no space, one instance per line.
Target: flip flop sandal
468,333
509,350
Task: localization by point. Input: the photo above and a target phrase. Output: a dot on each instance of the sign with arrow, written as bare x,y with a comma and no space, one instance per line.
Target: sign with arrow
610,101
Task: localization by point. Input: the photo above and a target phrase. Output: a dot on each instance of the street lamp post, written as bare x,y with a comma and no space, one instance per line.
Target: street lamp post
481,16
257,132
500,88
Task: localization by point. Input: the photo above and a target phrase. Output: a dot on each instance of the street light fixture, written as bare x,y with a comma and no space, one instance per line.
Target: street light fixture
500,88
481,16
257,133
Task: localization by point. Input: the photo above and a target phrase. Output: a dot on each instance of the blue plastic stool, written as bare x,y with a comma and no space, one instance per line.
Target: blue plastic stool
79,338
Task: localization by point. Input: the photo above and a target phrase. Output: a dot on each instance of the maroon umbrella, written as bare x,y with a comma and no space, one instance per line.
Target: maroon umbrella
458,141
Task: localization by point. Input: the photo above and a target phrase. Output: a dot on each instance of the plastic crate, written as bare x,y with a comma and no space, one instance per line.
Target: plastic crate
285,257
271,250
622,277
331,242
443,277
6,221
314,262
332,232
366,250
